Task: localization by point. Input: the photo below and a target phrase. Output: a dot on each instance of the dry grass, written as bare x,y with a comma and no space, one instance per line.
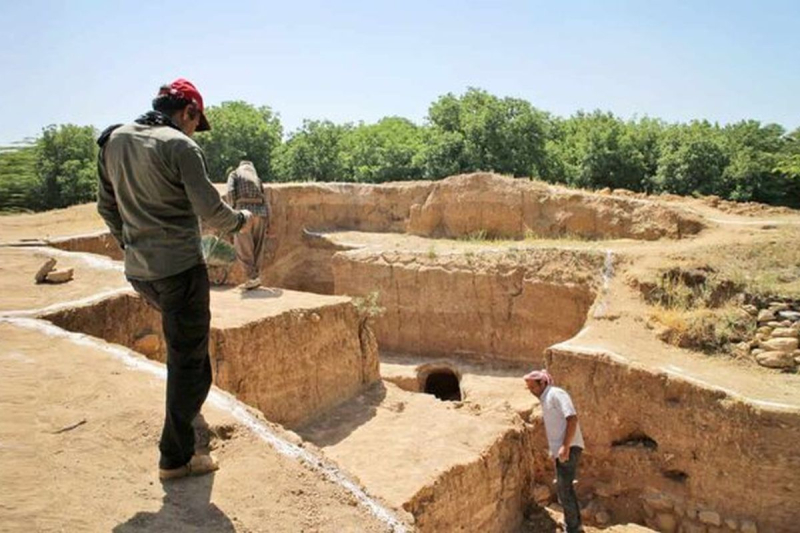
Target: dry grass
698,304
768,268
708,330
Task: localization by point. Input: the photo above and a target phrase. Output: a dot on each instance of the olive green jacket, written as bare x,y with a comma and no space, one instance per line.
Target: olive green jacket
153,186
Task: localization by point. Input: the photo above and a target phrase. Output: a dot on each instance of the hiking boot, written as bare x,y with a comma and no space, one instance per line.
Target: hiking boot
199,465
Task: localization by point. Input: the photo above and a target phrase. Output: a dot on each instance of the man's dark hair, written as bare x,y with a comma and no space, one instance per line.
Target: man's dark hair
169,103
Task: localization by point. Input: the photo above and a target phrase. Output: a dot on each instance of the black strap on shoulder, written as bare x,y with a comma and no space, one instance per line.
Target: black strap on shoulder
103,139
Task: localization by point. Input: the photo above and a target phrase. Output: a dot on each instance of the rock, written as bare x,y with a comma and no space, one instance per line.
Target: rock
797,359
748,526
541,494
786,324
781,344
148,344
742,350
756,352
732,524
602,518
789,315
59,276
775,359
658,501
765,315
775,324
45,269
709,517
666,523
750,309
764,330
777,307
785,332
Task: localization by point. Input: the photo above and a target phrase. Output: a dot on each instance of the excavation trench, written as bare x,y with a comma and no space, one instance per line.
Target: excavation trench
448,433
303,360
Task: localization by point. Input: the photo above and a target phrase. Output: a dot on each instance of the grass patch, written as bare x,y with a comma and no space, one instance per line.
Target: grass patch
368,306
764,269
708,330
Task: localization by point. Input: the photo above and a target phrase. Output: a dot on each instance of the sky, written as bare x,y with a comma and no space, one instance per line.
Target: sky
101,62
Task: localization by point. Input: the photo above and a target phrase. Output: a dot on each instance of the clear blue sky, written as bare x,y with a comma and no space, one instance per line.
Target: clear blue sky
100,62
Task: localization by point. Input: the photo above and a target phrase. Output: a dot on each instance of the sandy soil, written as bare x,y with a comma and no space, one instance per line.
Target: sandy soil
94,275
78,452
74,220
231,308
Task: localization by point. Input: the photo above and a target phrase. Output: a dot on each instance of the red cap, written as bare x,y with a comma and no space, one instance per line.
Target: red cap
183,88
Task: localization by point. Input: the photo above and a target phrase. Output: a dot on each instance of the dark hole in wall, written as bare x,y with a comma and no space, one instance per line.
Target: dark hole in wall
636,440
444,385
676,475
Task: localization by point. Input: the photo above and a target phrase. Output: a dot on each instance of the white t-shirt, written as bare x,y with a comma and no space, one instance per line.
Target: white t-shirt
556,407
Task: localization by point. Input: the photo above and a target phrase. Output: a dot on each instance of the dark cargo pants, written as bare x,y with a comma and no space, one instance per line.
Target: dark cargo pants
183,300
565,476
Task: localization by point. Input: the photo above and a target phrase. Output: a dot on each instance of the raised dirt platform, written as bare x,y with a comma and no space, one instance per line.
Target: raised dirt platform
292,355
79,432
94,276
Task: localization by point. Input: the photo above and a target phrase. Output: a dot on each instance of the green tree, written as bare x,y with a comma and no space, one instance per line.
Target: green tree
789,158
693,159
502,135
598,150
441,153
66,165
312,153
383,151
18,181
754,154
240,131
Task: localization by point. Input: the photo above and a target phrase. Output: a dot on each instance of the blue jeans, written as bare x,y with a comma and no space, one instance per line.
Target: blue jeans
565,475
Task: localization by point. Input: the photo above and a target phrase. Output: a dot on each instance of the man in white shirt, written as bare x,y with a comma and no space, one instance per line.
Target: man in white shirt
564,439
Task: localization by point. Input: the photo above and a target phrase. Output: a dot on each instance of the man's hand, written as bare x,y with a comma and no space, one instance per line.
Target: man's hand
249,220
563,454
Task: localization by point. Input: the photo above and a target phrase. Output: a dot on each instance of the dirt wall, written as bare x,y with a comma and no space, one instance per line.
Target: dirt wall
121,319
486,495
495,305
297,364
295,263
511,208
669,453
291,366
100,243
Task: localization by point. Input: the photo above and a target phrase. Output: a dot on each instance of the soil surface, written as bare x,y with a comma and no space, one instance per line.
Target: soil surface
78,452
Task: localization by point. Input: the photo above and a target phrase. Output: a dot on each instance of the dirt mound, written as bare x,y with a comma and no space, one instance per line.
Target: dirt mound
512,208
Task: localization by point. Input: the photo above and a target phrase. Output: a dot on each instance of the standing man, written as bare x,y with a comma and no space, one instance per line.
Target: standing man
153,186
564,439
245,191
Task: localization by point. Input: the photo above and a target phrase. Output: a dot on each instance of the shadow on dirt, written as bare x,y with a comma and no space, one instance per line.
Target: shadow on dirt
186,506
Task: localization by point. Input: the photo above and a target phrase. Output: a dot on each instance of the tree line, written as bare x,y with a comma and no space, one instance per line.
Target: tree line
474,131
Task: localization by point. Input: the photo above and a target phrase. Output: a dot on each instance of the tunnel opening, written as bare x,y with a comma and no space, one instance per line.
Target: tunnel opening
444,385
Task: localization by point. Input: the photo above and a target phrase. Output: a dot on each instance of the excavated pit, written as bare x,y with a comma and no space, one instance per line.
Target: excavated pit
291,355
462,321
